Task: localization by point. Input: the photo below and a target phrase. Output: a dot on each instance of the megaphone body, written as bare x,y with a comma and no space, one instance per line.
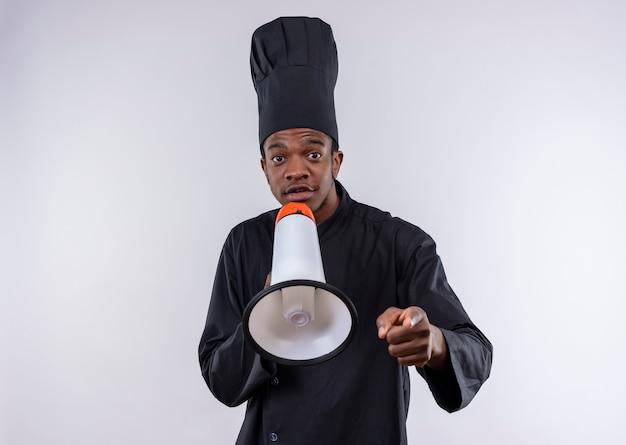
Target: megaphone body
299,319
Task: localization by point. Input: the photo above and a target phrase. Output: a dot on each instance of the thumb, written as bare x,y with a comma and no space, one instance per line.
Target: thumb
411,316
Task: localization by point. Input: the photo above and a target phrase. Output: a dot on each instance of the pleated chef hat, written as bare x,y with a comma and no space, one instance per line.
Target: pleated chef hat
294,70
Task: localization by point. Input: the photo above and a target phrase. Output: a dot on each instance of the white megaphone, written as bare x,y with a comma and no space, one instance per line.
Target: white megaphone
299,319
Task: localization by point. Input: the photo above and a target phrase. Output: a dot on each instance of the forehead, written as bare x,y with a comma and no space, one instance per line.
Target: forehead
296,137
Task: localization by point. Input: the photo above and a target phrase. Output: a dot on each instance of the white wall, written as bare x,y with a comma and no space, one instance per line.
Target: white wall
128,150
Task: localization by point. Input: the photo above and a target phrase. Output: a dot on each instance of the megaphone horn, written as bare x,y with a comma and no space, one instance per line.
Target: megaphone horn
299,319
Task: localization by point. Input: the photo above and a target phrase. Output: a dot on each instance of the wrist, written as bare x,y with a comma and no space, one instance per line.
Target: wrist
439,356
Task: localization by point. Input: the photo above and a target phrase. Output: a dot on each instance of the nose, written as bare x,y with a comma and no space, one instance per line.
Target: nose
296,168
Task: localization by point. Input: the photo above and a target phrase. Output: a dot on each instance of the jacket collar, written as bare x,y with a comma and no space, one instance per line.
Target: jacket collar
342,210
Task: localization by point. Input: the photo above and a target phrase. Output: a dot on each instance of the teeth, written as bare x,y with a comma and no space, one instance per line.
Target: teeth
298,190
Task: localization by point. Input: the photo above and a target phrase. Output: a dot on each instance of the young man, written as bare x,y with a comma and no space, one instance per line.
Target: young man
408,314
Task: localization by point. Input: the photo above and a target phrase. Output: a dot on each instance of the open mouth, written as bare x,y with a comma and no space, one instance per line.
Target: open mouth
299,192
299,189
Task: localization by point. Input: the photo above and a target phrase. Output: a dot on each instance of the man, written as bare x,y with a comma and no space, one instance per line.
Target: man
408,314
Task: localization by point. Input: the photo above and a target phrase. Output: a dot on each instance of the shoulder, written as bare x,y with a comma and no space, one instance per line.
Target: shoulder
378,232
385,222
263,220
253,230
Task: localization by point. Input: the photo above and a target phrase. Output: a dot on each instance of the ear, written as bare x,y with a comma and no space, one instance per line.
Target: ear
264,168
337,160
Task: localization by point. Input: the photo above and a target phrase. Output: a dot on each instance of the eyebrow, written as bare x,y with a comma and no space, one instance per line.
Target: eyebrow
313,141
309,141
276,145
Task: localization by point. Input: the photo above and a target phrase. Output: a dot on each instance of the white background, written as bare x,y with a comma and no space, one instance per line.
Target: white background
128,137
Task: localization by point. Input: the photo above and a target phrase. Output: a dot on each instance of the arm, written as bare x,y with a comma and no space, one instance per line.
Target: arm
433,332
469,365
231,368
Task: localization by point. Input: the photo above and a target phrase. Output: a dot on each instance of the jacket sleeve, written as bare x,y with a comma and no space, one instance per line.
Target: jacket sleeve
470,352
231,368
469,366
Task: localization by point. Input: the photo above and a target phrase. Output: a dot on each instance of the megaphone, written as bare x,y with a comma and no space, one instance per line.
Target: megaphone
299,319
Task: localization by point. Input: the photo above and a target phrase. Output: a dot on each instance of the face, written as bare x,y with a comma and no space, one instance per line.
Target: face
300,166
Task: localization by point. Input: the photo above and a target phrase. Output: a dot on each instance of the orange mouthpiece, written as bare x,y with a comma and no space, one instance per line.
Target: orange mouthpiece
292,208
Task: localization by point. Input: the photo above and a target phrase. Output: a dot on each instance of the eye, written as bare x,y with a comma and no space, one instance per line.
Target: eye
315,155
278,158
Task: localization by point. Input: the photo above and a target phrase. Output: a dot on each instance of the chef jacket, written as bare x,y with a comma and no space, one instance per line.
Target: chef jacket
361,396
